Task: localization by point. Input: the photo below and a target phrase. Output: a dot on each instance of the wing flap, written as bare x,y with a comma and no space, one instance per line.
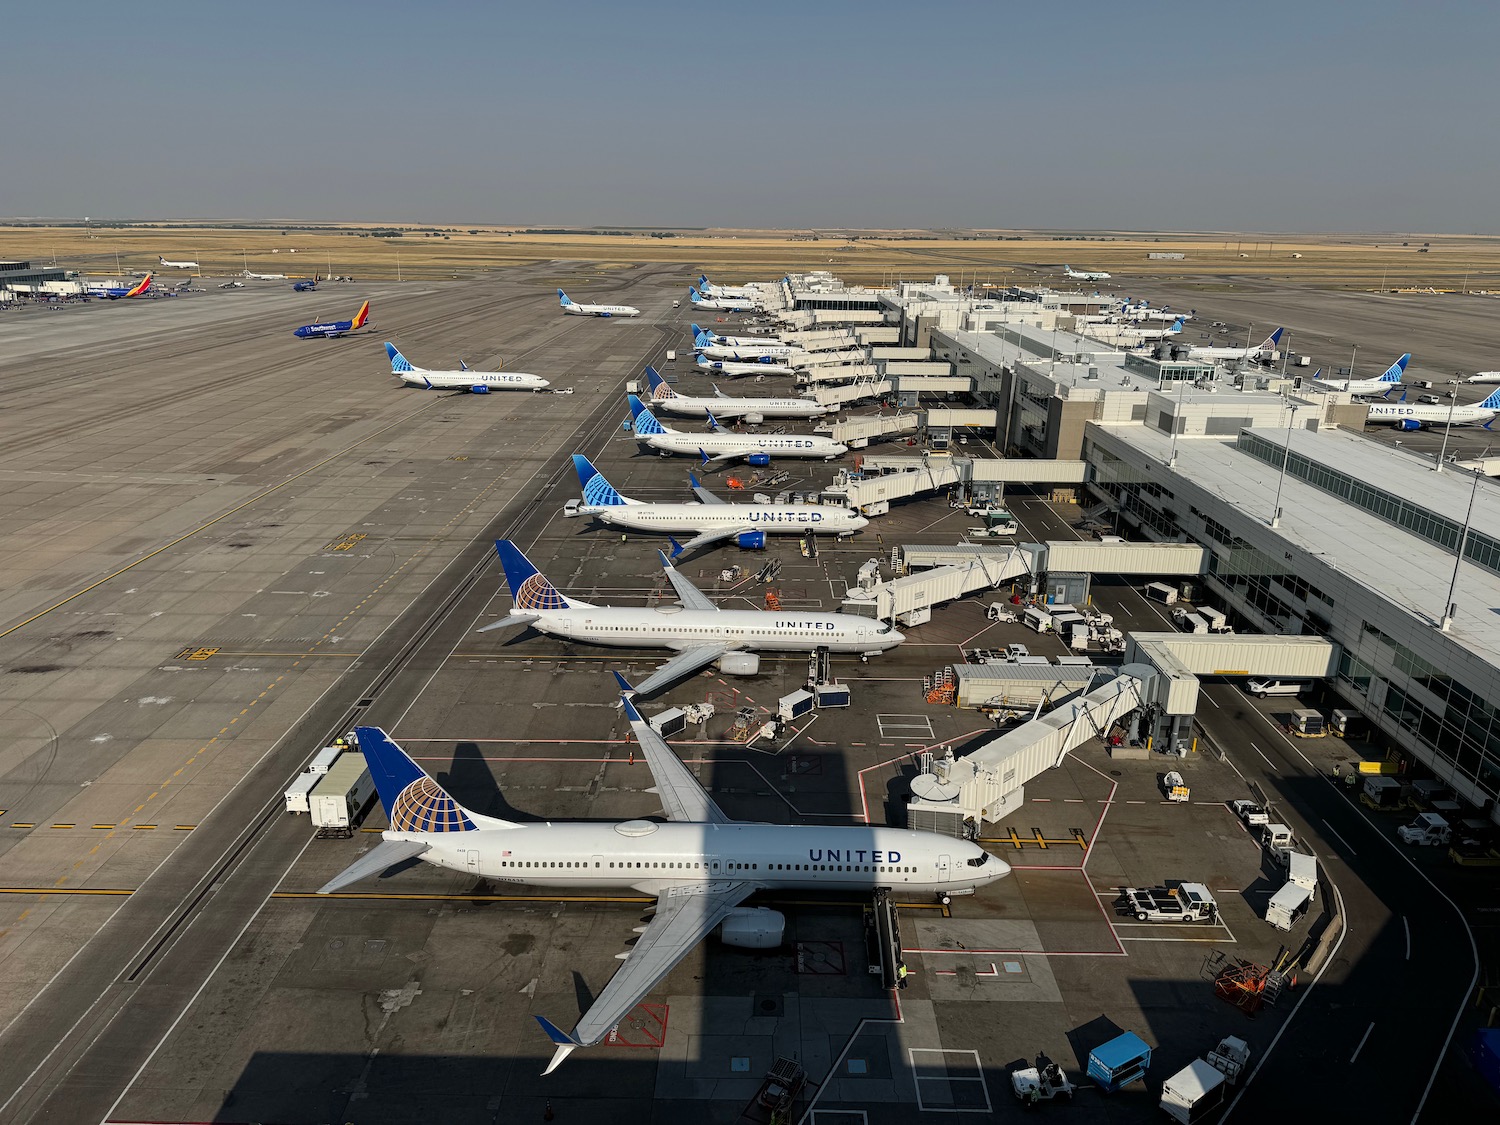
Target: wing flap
704,538
682,665
703,493
689,595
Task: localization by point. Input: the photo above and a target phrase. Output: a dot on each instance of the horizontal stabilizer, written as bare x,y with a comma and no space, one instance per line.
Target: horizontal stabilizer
386,854
507,622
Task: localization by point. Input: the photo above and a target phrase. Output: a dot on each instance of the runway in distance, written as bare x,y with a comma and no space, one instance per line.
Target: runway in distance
333,328
1267,345
700,864
750,410
165,264
736,368
573,308
1404,417
1383,384
115,292
699,632
721,304
715,520
475,382
721,445
1085,275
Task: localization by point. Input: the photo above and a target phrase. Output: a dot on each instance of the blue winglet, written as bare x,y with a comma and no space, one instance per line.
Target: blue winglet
666,562
676,546
622,681
692,476
630,712
555,1033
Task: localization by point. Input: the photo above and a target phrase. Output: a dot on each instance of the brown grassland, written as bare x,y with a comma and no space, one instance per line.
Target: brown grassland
1373,261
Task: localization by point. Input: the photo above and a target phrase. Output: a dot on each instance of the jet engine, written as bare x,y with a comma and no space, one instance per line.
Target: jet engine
751,540
754,418
753,927
1408,424
759,460
739,663
480,389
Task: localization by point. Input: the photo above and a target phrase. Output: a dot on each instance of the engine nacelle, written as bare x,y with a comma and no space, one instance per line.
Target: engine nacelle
751,540
480,389
759,460
754,418
753,927
1408,424
739,663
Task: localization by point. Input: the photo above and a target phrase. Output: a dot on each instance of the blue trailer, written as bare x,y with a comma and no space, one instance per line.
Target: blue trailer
1119,1062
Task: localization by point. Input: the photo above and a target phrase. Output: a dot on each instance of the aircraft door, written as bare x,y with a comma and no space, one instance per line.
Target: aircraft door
471,860
945,865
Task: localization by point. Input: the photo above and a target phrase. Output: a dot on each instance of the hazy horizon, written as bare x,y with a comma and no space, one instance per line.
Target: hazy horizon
877,116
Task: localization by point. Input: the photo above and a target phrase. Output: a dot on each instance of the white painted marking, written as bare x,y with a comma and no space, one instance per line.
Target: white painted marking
912,1053
1339,838
1268,761
1406,925
1361,1046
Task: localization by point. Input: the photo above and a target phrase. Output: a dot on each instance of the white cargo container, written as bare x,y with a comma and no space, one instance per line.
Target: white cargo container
323,760
1193,623
1036,619
342,794
1217,621
1193,1094
1161,592
1287,905
297,793
1302,869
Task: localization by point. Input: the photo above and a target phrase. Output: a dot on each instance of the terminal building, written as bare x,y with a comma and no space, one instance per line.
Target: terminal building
22,279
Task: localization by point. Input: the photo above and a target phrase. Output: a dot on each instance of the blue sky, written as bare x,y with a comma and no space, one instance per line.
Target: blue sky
1269,116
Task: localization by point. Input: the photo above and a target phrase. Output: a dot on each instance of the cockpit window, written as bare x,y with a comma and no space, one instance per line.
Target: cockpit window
885,629
980,860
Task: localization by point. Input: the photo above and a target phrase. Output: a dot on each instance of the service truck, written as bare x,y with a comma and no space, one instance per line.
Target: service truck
1186,902
1428,828
773,1102
340,797
1194,1093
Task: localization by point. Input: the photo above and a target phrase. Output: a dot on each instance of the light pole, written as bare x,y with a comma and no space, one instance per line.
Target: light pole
1452,402
1286,455
1352,354
1463,541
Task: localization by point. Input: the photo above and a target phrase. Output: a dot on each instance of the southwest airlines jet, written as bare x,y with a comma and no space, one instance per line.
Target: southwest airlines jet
699,632
176,265
115,292
574,309
720,445
476,382
750,410
713,519
332,328
1382,385
698,863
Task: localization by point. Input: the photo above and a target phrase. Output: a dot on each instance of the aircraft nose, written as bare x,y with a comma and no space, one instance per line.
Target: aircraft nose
859,522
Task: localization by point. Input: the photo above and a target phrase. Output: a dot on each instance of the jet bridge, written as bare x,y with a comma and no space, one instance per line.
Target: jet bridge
860,431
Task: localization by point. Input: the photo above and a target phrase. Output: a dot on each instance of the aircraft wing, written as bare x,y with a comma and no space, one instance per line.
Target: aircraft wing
704,538
683,798
507,622
690,596
703,493
385,854
683,664
720,458
685,915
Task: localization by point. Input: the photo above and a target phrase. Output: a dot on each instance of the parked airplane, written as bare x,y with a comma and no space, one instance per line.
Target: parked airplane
263,276
569,306
115,292
713,519
751,349
750,410
702,335
1484,377
335,327
709,289
1382,385
700,864
176,265
721,304
477,382
767,366
1085,275
1405,417
1149,333
699,632
1266,345
721,445
307,286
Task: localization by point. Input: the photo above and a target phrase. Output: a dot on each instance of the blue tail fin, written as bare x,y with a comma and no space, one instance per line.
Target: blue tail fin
1176,327
529,590
643,421
1491,403
659,389
399,363
597,492
1394,372
698,333
1273,339
563,298
413,801
713,423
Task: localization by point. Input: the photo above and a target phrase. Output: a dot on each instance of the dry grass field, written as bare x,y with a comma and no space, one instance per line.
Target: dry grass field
1441,262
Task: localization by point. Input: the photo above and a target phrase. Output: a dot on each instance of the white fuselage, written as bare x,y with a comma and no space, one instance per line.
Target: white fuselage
691,406
177,265
779,519
265,276
751,630
749,367
494,380
755,350
746,341
646,856
1390,414
1359,386
725,304
1223,353
1484,377
1086,275
715,444
734,292
572,308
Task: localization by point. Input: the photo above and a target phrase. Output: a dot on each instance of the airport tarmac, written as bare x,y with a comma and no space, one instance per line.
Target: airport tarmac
241,543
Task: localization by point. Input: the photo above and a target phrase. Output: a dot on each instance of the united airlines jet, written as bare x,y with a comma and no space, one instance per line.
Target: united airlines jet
767,366
750,410
703,336
698,863
709,289
714,520
476,382
699,632
1405,417
721,445
720,304
574,309
1382,384
744,348
1267,346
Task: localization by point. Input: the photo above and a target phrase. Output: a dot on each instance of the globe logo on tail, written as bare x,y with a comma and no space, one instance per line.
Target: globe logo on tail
537,593
424,807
